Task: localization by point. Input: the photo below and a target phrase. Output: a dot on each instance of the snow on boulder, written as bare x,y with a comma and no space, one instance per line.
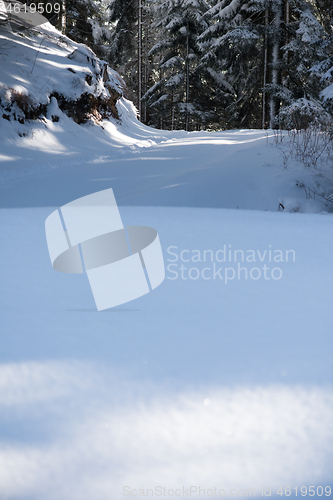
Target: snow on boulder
39,65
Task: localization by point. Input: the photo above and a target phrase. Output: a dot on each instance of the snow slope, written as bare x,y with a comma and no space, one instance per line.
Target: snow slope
212,380
41,61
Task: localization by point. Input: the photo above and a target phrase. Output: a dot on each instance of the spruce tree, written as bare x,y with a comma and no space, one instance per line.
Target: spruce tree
299,85
176,98
235,52
323,69
123,15
264,50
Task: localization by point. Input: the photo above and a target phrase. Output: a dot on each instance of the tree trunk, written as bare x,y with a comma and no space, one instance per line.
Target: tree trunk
63,17
145,60
187,75
140,57
265,74
275,61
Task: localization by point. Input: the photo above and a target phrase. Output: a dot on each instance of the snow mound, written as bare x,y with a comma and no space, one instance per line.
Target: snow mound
42,63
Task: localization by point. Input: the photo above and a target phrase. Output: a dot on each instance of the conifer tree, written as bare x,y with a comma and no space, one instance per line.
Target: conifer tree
323,69
123,15
176,97
264,50
302,49
235,52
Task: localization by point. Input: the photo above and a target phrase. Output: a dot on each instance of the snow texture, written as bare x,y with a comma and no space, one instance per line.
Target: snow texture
211,380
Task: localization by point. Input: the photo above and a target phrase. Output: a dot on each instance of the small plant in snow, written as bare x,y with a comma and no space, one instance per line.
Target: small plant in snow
310,132
311,145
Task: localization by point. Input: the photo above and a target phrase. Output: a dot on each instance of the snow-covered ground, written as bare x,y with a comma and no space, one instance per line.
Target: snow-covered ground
241,169
212,380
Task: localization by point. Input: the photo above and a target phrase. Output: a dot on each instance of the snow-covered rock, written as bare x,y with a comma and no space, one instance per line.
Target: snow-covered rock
40,64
